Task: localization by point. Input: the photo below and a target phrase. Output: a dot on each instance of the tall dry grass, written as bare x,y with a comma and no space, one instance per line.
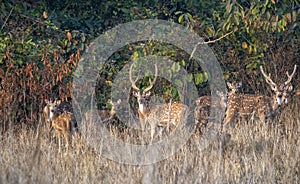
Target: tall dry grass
245,153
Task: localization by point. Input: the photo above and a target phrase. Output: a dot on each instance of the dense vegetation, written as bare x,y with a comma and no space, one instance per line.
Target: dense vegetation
41,44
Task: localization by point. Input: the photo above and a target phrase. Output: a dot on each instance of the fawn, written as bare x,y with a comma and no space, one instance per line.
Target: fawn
61,122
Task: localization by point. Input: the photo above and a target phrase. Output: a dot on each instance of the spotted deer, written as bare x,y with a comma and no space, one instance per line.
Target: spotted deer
260,106
103,115
233,88
163,115
46,112
204,104
61,122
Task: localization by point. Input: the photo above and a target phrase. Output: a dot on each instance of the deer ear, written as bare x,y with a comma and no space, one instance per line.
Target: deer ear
219,93
47,101
290,88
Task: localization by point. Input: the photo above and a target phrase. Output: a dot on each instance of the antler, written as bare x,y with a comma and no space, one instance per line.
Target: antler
290,76
151,82
133,85
268,79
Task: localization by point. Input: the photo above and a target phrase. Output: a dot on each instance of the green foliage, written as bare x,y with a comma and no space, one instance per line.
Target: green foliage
28,31
53,34
257,26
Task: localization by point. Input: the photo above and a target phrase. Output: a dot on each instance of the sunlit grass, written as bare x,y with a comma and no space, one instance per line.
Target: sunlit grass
245,153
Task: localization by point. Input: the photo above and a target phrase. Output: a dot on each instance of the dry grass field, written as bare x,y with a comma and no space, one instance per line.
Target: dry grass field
244,153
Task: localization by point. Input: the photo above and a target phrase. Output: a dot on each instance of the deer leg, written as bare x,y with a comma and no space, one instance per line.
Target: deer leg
152,129
228,117
196,118
59,141
262,117
67,139
142,124
50,133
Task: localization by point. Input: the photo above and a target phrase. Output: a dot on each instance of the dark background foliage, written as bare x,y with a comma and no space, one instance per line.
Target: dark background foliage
42,41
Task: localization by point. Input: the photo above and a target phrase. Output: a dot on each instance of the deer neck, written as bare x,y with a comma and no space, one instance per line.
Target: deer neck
47,112
144,111
112,111
224,101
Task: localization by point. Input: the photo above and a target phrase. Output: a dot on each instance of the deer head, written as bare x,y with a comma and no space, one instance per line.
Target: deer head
114,106
144,97
281,92
48,114
261,106
233,88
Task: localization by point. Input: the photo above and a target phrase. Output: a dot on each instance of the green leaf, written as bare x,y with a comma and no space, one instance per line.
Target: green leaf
229,7
198,78
175,67
135,55
236,19
294,16
180,19
178,83
178,12
190,17
191,76
183,63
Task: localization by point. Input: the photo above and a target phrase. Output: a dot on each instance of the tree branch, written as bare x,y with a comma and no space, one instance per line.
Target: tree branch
208,42
6,19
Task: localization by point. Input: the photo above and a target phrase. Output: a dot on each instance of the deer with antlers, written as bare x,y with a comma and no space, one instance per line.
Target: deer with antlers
204,104
261,106
162,115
